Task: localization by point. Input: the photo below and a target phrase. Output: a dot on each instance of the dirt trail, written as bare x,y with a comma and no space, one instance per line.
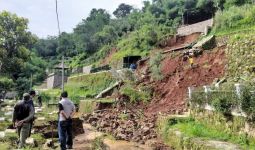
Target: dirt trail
84,141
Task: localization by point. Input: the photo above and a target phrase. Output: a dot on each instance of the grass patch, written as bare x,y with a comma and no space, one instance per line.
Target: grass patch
40,140
88,105
98,144
193,129
135,95
5,146
234,19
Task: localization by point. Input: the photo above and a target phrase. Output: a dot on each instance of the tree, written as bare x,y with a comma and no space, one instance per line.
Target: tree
229,3
66,45
96,21
123,10
46,47
15,42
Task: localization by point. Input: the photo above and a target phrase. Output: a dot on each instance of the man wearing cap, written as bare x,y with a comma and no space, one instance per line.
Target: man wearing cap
66,112
22,115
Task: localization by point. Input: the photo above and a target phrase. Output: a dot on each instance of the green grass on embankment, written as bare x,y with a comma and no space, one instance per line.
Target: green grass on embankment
193,129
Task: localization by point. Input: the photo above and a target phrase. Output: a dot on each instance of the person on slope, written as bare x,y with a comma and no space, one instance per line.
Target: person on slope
23,114
66,112
39,101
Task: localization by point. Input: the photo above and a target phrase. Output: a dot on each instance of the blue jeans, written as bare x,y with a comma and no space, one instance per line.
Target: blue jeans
65,133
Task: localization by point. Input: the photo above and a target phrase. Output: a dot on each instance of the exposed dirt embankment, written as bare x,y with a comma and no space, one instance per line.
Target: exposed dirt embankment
170,93
49,129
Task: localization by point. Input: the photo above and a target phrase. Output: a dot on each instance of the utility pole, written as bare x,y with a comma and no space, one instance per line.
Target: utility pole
63,74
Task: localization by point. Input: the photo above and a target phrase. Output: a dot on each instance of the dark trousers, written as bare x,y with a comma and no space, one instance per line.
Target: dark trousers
65,133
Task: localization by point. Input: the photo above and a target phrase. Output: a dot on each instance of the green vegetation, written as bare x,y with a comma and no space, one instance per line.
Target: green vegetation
98,144
234,18
88,86
241,47
86,106
82,87
155,66
192,129
248,103
135,95
225,99
40,140
17,60
133,31
4,146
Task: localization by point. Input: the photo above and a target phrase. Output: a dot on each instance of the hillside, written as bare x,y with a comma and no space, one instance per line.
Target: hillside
175,74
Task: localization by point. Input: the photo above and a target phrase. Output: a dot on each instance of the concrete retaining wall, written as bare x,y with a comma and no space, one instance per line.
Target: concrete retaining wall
201,27
55,80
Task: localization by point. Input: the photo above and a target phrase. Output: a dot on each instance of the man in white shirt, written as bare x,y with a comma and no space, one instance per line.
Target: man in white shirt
66,112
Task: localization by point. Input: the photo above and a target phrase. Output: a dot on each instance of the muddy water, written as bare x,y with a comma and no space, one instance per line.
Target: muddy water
84,141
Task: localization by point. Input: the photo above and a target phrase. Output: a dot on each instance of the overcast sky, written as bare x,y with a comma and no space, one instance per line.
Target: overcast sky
42,17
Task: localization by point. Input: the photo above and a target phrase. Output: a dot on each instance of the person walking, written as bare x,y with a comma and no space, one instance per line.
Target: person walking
66,112
22,115
39,101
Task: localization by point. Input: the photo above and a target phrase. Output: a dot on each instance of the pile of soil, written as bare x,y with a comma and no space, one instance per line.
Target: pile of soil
179,41
49,129
123,125
170,92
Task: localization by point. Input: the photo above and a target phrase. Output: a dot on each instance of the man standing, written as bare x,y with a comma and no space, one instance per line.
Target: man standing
32,95
39,101
22,116
66,112
31,102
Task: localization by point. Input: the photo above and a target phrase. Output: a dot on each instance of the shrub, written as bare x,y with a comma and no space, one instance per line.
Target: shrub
239,48
45,97
222,104
248,103
198,98
155,66
135,95
235,17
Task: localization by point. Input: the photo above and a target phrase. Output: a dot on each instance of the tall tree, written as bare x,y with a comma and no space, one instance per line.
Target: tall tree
123,10
15,42
96,21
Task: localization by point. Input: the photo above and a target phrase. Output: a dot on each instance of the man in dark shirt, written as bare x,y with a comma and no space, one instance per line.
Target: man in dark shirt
39,101
23,114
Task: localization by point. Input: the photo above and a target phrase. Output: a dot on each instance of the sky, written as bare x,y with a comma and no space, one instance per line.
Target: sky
42,16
